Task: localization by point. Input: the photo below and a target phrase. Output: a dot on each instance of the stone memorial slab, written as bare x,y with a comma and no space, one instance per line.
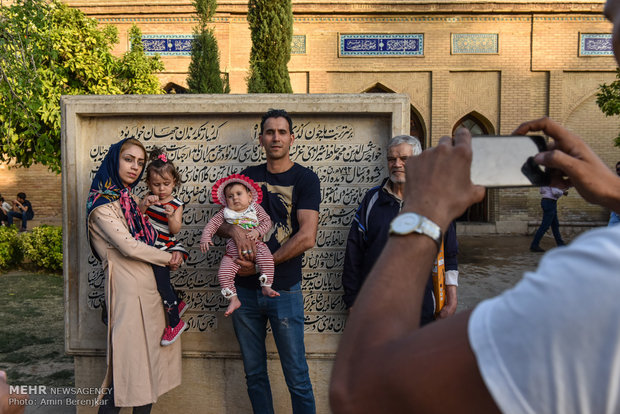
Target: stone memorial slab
341,137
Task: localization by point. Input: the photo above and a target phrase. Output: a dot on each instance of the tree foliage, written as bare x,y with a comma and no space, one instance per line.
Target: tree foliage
608,99
204,69
47,50
271,23
136,71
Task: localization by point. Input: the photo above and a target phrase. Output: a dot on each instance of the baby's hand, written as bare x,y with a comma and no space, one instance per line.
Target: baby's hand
169,210
150,200
205,246
253,235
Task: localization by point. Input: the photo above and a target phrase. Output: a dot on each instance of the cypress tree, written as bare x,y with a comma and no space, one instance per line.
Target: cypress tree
204,69
271,23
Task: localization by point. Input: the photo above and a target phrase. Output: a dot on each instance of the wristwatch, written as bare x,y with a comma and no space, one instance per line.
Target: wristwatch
408,223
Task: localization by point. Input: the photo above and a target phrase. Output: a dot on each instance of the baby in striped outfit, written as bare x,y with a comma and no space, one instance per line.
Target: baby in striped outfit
165,213
241,198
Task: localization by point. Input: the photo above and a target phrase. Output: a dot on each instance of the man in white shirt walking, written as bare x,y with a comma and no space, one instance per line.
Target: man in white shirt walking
549,205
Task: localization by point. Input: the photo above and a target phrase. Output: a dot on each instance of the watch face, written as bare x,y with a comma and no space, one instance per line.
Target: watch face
406,223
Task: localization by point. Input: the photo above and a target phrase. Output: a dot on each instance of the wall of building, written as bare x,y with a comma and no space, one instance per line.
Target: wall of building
536,71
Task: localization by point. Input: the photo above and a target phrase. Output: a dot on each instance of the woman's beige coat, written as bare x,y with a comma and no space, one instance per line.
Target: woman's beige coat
140,367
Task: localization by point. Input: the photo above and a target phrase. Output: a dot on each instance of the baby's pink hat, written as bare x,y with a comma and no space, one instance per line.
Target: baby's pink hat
217,192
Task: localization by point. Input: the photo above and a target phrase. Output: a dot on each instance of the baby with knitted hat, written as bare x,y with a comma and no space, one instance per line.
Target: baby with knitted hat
241,198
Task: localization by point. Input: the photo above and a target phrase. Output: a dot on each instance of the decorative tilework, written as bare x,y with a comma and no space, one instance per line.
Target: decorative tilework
381,45
298,45
595,44
357,19
475,43
168,45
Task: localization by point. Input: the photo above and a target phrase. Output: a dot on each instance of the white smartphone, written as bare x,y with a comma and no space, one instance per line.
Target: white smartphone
507,161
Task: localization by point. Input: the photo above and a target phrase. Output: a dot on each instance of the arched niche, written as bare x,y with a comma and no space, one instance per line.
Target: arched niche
172,87
477,124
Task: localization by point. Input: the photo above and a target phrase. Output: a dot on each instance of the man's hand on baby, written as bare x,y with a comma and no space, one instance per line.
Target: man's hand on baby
246,247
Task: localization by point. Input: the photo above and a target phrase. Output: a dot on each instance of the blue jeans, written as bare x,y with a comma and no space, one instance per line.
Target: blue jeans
550,219
285,313
22,216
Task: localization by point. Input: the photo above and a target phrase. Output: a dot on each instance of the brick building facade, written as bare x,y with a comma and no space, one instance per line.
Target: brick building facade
490,65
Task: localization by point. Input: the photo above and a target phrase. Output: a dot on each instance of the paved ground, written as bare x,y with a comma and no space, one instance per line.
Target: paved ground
55,404
490,264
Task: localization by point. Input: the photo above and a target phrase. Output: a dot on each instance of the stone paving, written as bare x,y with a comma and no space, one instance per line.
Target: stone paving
490,264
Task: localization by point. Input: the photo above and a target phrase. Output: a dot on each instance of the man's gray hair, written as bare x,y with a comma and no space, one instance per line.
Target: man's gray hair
406,139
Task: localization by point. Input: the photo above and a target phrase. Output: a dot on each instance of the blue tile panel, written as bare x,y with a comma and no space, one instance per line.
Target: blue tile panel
381,45
475,43
168,45
595,44
298,45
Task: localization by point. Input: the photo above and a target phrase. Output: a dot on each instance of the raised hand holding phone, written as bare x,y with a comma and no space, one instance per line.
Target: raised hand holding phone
507,161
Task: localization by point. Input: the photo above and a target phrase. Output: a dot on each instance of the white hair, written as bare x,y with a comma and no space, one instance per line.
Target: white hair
406,139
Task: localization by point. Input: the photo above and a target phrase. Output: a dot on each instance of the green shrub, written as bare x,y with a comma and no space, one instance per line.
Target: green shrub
43,246
10,251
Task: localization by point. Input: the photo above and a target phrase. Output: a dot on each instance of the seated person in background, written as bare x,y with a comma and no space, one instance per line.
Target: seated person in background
22,209
4,210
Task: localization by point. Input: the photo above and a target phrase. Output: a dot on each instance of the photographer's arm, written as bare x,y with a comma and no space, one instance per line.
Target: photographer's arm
384,363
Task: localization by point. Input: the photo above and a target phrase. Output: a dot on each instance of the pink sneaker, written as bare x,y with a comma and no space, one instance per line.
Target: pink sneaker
172,334
182,308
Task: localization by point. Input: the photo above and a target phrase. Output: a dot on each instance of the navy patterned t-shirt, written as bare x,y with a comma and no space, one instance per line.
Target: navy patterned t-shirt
283,194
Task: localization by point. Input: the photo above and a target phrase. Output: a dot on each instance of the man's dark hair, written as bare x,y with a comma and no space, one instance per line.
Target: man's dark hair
21,195
276,113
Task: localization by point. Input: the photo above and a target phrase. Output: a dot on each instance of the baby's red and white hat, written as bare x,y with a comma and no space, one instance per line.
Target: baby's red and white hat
217,192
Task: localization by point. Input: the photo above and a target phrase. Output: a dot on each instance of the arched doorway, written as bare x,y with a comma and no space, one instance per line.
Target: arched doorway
416,126
477,125
172,87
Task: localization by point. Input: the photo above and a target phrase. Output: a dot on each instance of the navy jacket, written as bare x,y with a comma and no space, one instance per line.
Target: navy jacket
369,233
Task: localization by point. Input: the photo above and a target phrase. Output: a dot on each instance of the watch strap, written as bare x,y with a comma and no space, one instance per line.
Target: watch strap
420,225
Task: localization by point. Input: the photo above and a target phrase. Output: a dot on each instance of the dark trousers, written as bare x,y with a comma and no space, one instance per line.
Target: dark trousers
14,214
167,293
107,405
549,219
